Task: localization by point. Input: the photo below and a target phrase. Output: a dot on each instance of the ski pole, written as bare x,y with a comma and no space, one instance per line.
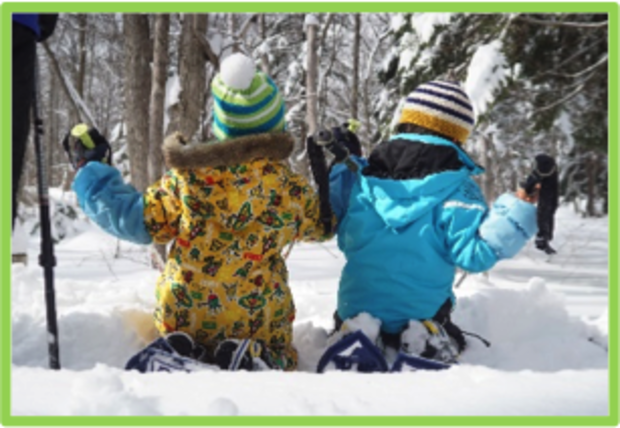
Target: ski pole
46,259
461,279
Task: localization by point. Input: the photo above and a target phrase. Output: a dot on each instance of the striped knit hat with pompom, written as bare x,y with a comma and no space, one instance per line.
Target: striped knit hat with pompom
246,101
442,107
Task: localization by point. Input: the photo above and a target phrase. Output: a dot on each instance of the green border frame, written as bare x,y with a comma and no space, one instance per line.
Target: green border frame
496,7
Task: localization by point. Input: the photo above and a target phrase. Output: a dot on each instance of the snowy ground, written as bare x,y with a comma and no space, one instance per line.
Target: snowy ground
537,313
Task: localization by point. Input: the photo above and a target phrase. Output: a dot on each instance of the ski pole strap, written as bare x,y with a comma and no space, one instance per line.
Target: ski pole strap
477,336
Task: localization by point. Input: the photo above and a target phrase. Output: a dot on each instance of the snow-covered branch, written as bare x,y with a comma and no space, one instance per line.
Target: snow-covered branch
562,23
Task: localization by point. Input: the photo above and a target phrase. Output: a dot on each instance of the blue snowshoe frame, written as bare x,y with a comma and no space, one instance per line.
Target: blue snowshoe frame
407,362
354,352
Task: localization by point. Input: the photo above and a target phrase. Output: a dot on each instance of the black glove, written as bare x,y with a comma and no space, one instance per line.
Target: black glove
84,144
350,140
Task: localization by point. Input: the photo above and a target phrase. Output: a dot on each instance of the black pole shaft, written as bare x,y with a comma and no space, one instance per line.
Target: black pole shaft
46,258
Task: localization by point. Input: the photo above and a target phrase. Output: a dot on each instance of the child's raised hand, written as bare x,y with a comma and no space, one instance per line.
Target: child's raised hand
84,144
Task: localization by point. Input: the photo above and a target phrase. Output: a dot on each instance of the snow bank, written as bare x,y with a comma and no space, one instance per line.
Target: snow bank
547,353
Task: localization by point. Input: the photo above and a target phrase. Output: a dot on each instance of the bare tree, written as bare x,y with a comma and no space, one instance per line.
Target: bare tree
137,93
264,59
356,65
312,69
185,115
158,92
81,72
232,28
488,162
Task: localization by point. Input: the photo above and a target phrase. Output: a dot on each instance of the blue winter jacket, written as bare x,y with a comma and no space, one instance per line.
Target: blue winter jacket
403,239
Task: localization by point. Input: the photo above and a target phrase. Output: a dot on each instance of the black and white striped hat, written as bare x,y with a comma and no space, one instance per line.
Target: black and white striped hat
442,107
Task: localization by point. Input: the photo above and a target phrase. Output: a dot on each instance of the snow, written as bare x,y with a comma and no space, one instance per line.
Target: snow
539,314
310,19
19,239
237,71
397,21
409,51
424,24
487,71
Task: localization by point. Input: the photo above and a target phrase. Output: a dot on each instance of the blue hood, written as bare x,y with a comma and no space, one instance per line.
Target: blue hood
400,202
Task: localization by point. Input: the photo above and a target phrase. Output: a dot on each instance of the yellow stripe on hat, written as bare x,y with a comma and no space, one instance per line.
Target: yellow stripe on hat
434,123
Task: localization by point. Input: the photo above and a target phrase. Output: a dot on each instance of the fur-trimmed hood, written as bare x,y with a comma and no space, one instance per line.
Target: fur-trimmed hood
182,155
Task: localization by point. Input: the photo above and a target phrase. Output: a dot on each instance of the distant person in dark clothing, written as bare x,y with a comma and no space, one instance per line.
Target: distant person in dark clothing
28,29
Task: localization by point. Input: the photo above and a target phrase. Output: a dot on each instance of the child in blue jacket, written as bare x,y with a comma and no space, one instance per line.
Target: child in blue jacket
410,216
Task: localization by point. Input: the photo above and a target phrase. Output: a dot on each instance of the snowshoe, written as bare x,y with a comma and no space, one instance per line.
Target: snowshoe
426,345
406,362
354,352
246,354
175,352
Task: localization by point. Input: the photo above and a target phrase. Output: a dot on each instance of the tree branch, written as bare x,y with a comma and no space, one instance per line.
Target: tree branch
77,103
600,62
569,59
206,48
245,26
578,89
563,24
328,22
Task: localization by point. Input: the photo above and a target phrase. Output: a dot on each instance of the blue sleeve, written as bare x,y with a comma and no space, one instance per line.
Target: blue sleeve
510,224
116,207
341,180
461,216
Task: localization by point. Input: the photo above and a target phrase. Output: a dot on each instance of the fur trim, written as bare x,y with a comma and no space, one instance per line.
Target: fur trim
179,154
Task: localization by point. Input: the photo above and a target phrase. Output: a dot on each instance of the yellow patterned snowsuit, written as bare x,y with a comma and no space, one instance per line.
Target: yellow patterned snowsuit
231,208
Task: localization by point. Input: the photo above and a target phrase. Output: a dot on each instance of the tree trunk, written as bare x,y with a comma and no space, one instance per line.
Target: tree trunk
264,60
312,69
592,172
185,116
137,92
487,161
356,65
158,92
81,73
232,28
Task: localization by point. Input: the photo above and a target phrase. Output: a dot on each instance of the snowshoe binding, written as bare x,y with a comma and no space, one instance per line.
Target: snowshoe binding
246,354
174,352
354,352
426,345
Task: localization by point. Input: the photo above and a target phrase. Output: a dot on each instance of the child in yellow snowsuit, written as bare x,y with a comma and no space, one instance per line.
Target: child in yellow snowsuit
229,207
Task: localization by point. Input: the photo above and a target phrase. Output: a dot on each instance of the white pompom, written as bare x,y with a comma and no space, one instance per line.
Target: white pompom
237,71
